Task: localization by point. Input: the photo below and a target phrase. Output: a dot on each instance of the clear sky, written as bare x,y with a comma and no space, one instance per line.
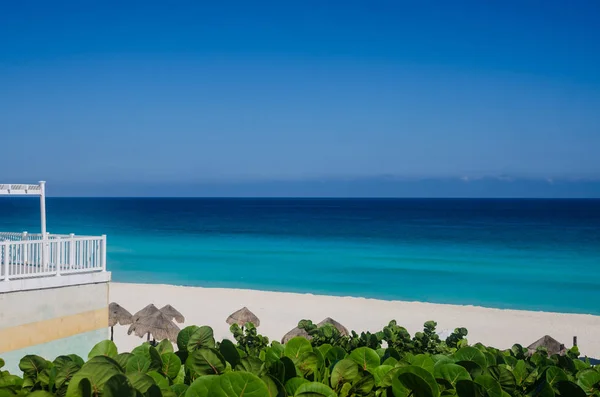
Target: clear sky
227,97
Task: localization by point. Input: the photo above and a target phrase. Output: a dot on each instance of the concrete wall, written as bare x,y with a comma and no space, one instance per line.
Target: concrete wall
53,321
79,344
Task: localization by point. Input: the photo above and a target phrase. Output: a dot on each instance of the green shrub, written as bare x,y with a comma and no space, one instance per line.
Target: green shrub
389,363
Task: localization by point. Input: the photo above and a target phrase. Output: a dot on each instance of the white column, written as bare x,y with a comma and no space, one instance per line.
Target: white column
103,255
43,206
45,251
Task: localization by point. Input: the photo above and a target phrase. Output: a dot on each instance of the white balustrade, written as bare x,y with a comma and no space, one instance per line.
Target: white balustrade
24,255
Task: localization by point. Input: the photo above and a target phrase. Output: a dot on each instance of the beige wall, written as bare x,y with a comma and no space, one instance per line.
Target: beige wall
29,318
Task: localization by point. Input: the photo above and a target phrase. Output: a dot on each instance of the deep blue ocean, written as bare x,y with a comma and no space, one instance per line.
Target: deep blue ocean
524,254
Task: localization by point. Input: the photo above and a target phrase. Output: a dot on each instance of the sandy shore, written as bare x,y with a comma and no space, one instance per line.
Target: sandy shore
279,312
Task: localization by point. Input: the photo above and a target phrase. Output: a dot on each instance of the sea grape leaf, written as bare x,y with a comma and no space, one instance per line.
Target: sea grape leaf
201,386
555,375
314,389
239,384
416,381
122,359
165,346
289,368
183,337
423,361
32,365
202,337
490,385
296,347
308,363
206,362
251,364
171,365
292,385
271,385
137,364
104,348
451,373
345,370
65,372
469,353
159,380
334,354
324,348
181,389
118,386
520,372
140,381
151,354
231,354
380,372
364,385
468,388
587,379
97,371
504,377
568,388
76,359
365,357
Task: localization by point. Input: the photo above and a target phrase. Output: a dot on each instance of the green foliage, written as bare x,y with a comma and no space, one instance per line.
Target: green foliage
248,339
329,365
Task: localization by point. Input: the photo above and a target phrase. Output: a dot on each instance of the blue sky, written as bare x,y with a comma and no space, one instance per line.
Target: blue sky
226,98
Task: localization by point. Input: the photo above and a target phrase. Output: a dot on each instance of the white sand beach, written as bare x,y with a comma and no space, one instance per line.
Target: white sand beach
279,312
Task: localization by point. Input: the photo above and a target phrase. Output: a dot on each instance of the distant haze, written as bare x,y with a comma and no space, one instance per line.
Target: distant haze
406,99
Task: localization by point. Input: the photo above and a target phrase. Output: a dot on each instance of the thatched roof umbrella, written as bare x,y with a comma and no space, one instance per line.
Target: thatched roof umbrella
242,317
158,324
172,313
552,345
293,333
343,330
117,315
145,312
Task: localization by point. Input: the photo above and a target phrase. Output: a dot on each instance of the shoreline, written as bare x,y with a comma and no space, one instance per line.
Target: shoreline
340,295
279,312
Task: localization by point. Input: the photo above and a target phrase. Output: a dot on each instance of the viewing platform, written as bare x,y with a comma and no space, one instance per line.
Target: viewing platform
53,289
34,261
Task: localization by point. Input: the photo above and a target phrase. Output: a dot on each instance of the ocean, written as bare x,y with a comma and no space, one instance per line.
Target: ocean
521,254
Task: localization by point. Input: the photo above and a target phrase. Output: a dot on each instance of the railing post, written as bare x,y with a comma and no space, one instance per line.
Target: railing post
45,251
103,252
25,249
57,250
5,260
71,250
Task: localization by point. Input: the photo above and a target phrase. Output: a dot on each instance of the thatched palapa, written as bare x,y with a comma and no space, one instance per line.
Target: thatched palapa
293,333
159,325
552,345
118,315
242,317
343,330
145,312
173,313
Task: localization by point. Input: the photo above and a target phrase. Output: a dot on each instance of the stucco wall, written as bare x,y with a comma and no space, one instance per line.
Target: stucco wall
52,321
80,344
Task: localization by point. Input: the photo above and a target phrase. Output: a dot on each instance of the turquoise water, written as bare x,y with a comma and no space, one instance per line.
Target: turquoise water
526,254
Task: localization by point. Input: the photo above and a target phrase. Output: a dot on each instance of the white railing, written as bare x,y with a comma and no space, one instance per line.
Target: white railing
25,255
13,236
